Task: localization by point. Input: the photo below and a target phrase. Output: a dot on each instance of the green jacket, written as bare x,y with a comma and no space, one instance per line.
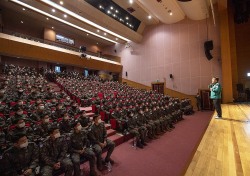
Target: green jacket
216,91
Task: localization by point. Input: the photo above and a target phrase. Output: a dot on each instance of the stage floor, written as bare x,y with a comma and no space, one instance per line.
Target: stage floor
225,147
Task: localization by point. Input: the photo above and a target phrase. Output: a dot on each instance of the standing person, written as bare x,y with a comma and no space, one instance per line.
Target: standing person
215,95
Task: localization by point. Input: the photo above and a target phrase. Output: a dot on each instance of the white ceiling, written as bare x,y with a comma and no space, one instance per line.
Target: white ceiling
158,9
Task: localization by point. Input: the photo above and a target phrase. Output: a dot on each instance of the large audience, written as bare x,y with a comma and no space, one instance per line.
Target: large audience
43,130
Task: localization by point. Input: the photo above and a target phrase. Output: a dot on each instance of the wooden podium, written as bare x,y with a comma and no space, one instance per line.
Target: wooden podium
158,87
206,102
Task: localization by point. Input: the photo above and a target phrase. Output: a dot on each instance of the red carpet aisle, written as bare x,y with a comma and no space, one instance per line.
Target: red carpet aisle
167,156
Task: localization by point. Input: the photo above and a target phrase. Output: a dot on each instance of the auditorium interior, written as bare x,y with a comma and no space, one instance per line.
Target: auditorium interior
124,87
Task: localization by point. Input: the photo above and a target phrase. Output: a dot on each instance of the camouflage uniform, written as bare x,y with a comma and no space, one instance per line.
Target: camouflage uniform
17,160
98,134
80,142
52,152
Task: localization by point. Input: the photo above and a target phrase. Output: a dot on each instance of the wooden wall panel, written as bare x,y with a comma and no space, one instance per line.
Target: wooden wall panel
28,51
243,52
226,58
167,91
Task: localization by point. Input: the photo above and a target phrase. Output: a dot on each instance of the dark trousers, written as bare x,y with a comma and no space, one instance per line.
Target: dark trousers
217,106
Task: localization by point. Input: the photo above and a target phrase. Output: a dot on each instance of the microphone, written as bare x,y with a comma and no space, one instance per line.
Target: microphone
210,85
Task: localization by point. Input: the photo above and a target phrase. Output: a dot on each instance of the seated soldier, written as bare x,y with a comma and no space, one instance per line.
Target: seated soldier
84,120
74,109
20,105
53,154
60,110
136,131
19,127
67,101
22,157
65,124
98,137
42,128
39,112
79,147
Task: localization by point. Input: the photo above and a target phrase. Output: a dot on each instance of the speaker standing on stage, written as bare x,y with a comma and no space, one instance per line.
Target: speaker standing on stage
215,95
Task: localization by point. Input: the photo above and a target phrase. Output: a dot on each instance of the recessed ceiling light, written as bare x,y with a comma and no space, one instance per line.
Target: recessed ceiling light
116,11
149,17
111,8
98,30
105,33
87,34
116,38
108,12
65,16
170,12
100,6
97,43
52,27
127,18
61,2
47,18
53,10
57,6
131,1
21,21
114,15
24,9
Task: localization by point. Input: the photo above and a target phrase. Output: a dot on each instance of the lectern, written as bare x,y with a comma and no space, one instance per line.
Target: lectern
206,102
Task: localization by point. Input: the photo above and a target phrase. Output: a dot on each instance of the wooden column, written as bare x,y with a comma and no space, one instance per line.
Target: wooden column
226,57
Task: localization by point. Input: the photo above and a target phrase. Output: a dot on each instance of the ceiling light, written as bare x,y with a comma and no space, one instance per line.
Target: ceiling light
116,38
22,22
65,16
47,18
108,12
53,10
131,1
23,8
116,11
61,2
114,15
87,34
127,18
68,23
105,33
170,12
149,17
78,17
100,6
97,43
111,8
98,30
52,27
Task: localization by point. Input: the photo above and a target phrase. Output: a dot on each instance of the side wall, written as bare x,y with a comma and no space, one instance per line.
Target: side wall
176,49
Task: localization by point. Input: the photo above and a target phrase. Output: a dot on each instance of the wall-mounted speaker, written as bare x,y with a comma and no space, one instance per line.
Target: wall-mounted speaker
208,45
208,54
